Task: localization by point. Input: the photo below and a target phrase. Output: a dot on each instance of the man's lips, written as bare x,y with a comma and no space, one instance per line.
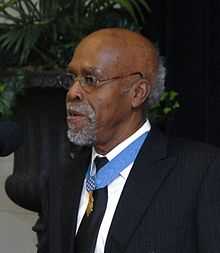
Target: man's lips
75,118
71,113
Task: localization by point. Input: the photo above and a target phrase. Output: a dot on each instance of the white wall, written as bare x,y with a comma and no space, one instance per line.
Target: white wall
16,235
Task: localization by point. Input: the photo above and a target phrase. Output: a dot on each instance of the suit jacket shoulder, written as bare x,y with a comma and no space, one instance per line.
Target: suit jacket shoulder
171,199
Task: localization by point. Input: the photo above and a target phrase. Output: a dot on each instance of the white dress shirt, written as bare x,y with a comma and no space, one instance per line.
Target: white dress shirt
114,188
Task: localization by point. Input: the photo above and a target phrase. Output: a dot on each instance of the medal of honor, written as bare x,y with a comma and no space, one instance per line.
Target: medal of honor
89,208
90,187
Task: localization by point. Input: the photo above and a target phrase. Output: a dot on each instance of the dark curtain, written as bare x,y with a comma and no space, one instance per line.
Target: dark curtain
188,35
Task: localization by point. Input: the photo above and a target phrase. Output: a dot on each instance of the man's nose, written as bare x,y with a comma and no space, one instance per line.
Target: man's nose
75,92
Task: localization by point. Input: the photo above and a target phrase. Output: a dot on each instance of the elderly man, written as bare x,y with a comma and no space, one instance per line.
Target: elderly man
129,189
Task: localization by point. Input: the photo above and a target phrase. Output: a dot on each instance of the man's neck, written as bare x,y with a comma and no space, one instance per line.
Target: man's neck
105,147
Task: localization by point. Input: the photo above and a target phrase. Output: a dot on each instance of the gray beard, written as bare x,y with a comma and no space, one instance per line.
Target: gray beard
85,136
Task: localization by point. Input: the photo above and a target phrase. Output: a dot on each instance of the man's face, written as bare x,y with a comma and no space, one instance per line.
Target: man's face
99,114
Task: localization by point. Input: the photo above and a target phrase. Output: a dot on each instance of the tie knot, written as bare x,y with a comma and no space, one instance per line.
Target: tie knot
100,162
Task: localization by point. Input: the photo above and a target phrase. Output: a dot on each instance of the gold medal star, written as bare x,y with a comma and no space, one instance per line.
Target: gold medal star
89,208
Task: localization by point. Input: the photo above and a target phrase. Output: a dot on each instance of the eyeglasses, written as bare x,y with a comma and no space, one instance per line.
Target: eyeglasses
89,82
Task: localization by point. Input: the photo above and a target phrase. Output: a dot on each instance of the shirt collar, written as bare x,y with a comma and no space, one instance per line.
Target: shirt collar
116,150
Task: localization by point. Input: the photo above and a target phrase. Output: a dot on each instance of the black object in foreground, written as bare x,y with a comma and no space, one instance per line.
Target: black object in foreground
11,137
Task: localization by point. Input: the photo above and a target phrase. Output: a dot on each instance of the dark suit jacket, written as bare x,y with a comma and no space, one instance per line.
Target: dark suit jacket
170,202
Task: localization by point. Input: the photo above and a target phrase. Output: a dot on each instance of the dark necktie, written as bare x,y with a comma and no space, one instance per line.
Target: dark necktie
86,237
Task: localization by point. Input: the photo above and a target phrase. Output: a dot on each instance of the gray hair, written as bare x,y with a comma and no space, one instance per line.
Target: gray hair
158,86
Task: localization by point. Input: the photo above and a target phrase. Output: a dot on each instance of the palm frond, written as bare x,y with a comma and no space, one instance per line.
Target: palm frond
127,6
47,28
138,9
7,4
145,4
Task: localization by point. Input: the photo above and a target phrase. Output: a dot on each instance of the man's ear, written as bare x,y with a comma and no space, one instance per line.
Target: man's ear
140,92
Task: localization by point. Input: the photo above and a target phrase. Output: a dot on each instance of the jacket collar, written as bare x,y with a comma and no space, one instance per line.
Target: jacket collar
149,170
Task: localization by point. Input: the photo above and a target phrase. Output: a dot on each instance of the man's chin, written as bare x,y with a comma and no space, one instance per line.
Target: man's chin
80,137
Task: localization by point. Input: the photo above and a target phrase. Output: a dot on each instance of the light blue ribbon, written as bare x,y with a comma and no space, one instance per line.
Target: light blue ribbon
112,169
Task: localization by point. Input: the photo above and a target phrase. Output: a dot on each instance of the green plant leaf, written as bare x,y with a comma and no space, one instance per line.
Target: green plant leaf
32,9
2,88
3,6
127,5
166,110
8,17
176,105
19,42
138,9
145,4
11,87
8,39
18,7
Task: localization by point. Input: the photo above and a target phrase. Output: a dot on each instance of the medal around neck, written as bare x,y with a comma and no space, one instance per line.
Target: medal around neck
89,208
90,187
109,172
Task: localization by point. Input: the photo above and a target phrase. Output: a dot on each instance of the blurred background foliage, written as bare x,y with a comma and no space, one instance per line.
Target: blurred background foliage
165,108
43,34
10,88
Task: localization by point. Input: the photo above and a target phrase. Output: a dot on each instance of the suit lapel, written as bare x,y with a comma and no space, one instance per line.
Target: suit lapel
72,183
148,172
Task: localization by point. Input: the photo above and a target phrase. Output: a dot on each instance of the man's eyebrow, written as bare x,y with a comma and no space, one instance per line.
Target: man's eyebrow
92,71
88,70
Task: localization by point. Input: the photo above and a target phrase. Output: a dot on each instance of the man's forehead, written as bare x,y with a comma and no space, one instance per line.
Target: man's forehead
119,50
97,56
115,35
112,40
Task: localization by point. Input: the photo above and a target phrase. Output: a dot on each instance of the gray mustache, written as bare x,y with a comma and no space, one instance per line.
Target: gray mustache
81,108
